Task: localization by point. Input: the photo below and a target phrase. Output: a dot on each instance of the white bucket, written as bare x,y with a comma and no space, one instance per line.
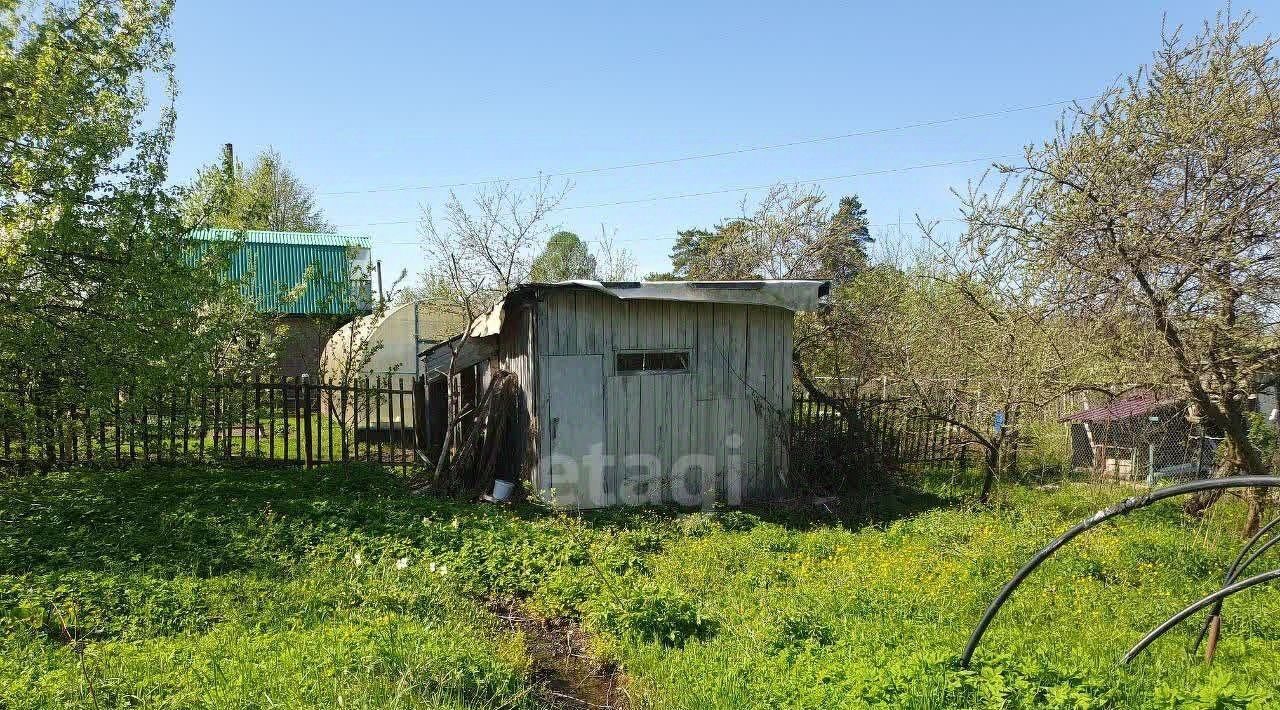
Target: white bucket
502,489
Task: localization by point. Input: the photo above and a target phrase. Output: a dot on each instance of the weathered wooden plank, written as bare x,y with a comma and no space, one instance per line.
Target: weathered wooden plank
703,361
615,426
649,488
611,312
560,309
629,437
660,410
679,435
714,353
687,325
590,311
704,480
664,317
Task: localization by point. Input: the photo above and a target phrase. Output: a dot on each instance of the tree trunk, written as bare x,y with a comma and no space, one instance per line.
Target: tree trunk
991,463
1256,500
1235,455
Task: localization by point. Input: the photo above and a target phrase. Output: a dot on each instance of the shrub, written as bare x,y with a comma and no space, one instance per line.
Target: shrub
802,627
648,612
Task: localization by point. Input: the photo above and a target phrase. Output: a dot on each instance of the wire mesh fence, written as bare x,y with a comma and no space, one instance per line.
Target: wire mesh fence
1157,443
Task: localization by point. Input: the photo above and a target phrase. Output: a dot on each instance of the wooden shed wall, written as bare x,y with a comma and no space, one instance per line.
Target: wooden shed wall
515,354
739,383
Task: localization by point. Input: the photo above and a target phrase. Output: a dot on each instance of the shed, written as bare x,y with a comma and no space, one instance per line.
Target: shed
634,392
1137,435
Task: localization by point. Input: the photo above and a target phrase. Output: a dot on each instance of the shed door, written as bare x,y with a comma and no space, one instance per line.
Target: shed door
573,389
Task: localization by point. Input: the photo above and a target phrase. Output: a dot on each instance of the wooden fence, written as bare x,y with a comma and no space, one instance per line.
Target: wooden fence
289,420
295,421
871,435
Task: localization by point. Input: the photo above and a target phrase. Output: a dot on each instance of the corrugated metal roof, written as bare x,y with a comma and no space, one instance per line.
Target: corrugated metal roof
255,236
793,295
276,267
1135,404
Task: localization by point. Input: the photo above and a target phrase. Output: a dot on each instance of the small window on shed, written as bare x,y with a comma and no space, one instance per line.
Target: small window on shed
657,361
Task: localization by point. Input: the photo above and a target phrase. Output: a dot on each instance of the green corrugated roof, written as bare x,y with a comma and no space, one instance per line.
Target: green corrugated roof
255,236
276,262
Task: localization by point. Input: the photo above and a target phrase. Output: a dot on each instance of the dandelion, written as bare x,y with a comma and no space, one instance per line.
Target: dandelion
402,563
357,560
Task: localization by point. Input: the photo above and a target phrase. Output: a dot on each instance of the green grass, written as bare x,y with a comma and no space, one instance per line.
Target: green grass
166,438
242,588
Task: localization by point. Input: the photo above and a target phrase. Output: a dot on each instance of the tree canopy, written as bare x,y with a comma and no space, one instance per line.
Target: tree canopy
564,257
268,196
94,286
1159,206
791,234
478,250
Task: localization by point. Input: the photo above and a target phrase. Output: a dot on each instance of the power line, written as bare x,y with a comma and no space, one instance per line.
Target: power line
744,188
721,191
655,239
716,154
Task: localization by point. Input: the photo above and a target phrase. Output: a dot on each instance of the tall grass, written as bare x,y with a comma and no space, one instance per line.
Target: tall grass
173,587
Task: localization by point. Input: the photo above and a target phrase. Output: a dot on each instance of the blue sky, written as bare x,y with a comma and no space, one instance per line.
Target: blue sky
360,96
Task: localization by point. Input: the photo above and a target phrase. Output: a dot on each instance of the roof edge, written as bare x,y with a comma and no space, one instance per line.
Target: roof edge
264,236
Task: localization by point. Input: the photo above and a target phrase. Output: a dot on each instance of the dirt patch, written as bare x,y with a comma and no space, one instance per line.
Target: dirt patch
565,673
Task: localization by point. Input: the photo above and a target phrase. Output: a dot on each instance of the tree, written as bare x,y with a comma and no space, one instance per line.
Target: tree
479,252
976,352
476,255
790,234
691,254
267,196
843,253
951,338
95,284
564,257
1159,205
613,263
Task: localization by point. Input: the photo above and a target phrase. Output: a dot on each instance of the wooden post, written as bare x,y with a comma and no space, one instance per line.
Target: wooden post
74,442
346,424
116,410
327,411
284,412
217,418
204,419
367,414
102,434
403,432
146,432
419,413
244,418
133,426
271,420
186,423
257,415
306,421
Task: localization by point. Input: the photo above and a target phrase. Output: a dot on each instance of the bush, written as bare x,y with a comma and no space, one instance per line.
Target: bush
648,612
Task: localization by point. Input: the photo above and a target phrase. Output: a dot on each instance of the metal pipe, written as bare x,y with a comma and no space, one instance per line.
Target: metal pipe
1257,553
1122,508
1236,567
1233,572
1211,599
